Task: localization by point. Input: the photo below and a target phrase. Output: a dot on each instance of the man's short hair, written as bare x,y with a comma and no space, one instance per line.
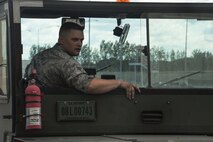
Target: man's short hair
65,27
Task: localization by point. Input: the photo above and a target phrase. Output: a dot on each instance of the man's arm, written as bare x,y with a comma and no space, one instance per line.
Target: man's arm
99,86
76,77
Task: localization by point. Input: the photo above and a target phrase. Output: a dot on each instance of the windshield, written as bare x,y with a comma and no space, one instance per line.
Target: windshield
181,52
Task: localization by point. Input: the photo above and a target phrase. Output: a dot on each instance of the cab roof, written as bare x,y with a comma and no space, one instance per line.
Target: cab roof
65,8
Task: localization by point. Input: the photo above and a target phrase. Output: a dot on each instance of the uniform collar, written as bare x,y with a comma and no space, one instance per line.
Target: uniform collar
62,52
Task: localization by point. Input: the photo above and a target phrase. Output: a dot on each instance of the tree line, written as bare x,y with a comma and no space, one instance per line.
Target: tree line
161,59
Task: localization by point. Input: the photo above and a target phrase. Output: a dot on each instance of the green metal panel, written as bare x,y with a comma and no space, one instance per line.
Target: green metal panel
159,112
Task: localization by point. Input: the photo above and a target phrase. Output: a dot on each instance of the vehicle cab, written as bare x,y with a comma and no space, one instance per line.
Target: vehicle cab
164,48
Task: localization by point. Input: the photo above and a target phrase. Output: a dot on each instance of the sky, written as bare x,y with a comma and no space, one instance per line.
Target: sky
166,33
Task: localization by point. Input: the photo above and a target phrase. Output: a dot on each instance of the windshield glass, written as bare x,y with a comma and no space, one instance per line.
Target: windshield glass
101,49
181,52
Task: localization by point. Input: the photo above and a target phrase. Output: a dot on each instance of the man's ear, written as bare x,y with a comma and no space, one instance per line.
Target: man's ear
61,40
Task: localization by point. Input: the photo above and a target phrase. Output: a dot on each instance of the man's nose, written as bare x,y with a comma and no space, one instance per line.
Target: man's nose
79,42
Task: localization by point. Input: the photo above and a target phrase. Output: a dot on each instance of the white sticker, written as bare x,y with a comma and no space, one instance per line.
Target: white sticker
35,110
35,119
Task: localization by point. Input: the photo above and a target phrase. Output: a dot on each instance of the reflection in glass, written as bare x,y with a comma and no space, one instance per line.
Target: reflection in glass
3,57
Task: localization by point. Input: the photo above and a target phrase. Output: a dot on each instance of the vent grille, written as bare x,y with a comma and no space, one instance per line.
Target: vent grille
152,117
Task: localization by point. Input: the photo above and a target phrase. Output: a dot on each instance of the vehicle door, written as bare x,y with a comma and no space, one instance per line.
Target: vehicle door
5,93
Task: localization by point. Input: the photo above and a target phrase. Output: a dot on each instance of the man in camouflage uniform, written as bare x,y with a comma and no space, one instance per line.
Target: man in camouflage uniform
56,66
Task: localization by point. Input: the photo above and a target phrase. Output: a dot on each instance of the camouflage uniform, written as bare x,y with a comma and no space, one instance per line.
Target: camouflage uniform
56,68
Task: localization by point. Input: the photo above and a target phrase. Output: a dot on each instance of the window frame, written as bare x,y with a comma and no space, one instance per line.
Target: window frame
4,99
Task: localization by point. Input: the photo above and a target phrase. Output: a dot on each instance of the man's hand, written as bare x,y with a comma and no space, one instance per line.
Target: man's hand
130,89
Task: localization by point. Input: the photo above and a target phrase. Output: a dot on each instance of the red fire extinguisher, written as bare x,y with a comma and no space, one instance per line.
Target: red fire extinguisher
33,104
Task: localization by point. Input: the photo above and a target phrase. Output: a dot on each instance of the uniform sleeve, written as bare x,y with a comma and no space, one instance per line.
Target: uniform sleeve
75,75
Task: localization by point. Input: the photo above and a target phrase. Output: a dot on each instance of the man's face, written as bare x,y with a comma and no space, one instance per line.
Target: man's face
72,41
